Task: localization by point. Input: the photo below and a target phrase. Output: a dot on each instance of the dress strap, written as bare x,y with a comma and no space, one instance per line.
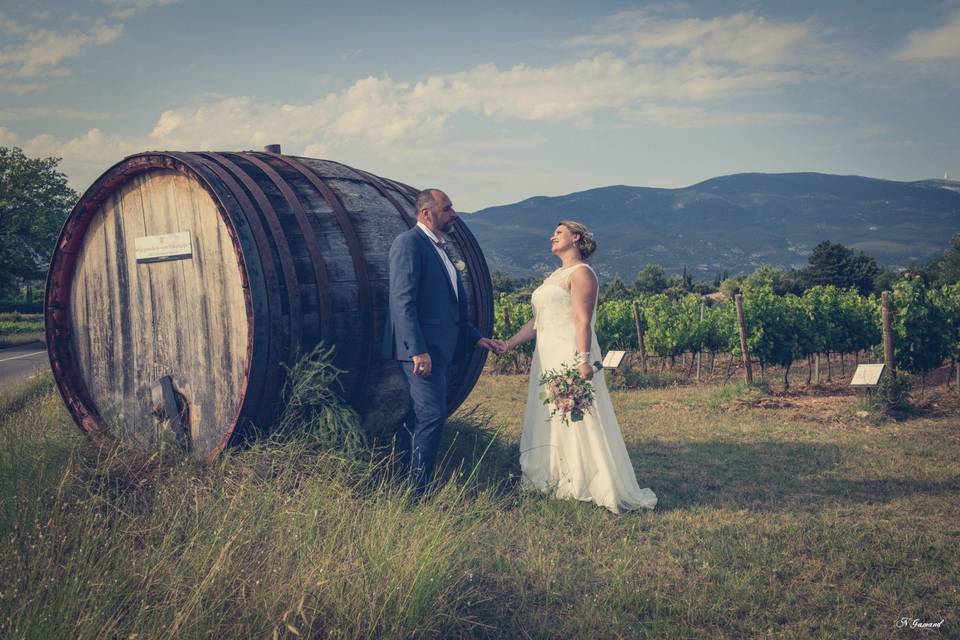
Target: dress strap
569,270
564,275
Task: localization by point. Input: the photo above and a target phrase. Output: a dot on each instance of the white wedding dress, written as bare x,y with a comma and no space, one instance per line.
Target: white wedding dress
586,460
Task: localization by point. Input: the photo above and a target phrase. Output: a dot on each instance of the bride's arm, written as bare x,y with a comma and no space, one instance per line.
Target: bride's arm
526,333
583,294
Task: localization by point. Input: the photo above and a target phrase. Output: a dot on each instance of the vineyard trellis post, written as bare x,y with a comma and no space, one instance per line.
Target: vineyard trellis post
742,325
699,349
640,345
887,334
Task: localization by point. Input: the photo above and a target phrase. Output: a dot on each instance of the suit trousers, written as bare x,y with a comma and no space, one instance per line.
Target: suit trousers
426,416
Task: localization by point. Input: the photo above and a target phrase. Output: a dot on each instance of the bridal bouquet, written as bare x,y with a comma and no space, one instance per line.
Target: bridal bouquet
567,393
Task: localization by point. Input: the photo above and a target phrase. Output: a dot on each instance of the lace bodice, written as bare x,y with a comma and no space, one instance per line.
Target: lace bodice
552,304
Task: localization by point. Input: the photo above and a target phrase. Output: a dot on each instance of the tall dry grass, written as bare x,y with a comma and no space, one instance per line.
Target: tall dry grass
772,522
288,537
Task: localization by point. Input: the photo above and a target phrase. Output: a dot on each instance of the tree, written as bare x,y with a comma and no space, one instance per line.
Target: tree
651,279
501,282
730,287
34,202
947,268
921,331
833,263
686,280
766,274
615,290
885,279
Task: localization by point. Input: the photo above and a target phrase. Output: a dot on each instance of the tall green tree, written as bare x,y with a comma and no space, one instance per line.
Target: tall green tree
947,268
841,266
34,202
651,279
614,290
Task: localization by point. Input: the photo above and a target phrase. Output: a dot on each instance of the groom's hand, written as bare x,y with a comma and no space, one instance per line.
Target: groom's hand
489,345
422,364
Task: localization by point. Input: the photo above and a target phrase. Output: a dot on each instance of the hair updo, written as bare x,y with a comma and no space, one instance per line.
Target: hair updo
586,244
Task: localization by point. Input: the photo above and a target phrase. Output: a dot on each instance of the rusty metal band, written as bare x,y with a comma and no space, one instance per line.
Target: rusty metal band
283,249
271,379
364,293
309,238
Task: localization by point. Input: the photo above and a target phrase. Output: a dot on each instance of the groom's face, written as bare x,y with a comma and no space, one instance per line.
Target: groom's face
440,215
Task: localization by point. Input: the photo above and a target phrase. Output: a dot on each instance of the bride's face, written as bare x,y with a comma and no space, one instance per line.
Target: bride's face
562,239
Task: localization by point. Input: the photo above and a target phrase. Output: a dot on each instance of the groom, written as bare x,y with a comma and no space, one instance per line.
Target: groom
427,328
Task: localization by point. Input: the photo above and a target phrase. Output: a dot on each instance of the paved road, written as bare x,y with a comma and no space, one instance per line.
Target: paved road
21,362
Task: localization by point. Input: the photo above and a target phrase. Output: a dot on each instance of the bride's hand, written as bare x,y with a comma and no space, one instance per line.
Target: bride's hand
586,370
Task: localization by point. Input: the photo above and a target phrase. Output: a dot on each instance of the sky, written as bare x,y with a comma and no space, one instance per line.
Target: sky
494,102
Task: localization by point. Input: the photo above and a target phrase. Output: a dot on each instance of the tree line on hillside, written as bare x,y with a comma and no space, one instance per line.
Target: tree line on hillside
830,263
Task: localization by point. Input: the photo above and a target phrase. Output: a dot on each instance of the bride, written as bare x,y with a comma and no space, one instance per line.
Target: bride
585,460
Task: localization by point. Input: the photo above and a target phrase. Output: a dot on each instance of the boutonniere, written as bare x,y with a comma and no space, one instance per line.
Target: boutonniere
455,258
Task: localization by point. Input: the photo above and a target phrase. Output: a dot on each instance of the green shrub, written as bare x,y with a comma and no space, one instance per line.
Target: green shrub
311,405
892,394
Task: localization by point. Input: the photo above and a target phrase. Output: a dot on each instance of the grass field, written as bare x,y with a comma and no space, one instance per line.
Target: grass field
780,516
20,328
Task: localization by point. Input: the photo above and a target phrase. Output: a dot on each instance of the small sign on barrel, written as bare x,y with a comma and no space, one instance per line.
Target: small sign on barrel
169,246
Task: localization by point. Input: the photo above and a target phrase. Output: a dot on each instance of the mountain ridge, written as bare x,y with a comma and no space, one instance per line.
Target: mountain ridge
733,222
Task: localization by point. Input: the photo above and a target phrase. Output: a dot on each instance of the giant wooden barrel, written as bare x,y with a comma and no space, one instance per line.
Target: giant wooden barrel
202,274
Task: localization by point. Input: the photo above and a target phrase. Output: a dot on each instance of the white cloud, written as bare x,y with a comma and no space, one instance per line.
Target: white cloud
43,49
23,88
682,117
743,38
86,156
383,113
940,43
12,27
52,113
124,9
7,138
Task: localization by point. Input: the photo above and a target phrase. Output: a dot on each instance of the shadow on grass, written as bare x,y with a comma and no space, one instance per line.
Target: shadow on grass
473,445
766,476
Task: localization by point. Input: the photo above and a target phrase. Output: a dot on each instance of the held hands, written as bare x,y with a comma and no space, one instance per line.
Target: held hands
490,344
423,365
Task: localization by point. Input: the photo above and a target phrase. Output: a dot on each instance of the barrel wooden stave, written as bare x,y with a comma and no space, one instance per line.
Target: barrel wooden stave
307,241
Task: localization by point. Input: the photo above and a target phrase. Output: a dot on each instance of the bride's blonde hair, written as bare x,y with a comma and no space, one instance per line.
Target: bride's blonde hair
586,244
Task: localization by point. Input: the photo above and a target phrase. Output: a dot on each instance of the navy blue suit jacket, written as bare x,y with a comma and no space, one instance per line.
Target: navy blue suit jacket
425,314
